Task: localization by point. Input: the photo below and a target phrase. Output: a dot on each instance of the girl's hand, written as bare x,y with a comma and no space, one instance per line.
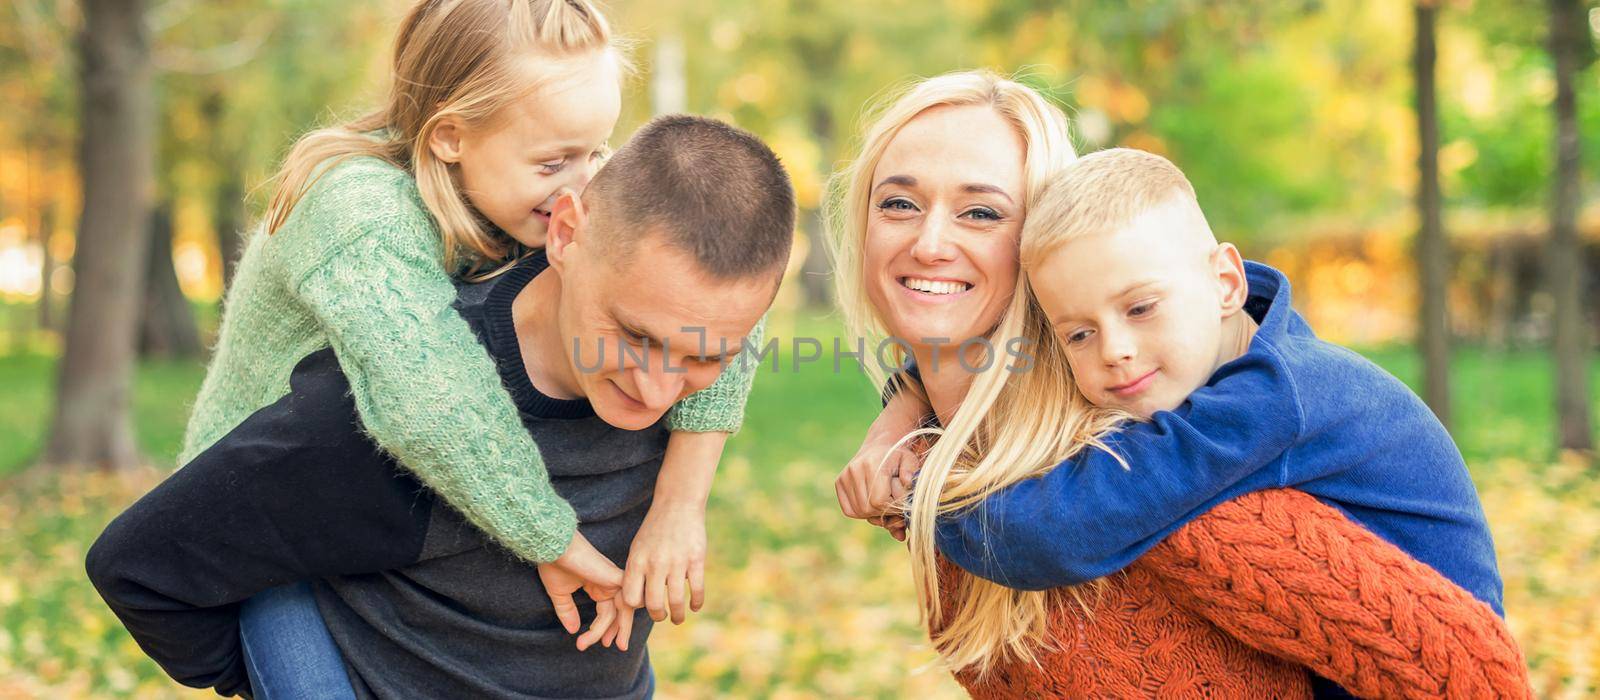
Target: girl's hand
669,550
582,567
621,630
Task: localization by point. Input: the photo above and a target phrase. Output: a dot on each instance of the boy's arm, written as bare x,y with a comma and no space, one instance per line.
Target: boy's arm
1089,516
670,546
294,492
719,408
1286,574
427,391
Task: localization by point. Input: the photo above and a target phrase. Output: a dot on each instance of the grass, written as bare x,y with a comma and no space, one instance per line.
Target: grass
800,601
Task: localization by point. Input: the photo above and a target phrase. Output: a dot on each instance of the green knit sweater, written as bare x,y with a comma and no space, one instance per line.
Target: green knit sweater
358,266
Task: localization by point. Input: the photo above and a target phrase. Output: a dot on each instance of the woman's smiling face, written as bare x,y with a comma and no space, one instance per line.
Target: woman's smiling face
946,211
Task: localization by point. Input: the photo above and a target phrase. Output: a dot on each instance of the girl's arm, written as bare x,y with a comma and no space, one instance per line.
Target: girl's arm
671,544
670,547
1290,576
426,390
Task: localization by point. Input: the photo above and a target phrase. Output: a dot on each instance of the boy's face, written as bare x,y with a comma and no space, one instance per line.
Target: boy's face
643,333
1139,310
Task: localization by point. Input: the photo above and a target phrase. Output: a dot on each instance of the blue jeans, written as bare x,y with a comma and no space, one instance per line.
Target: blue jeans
287,647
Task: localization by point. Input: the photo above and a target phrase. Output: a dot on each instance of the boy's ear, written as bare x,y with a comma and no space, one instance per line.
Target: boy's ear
1229,268
445,140
568,223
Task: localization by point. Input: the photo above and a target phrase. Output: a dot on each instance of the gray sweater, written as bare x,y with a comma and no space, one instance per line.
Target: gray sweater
420,603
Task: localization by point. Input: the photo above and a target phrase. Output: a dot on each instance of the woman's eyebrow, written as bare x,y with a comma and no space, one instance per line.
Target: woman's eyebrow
978,187
902,180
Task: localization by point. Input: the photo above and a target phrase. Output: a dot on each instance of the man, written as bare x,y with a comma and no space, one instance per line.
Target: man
651,280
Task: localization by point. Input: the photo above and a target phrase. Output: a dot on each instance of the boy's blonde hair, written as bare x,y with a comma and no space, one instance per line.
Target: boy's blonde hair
996,438
1101,193
452,58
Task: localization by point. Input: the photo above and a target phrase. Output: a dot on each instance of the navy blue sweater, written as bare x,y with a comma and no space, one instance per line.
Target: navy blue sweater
1294,411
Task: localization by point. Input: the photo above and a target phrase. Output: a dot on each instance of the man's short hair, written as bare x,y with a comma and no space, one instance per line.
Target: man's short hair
714,190
1104,192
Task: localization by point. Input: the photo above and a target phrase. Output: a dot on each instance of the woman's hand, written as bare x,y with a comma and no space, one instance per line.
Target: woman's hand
865,486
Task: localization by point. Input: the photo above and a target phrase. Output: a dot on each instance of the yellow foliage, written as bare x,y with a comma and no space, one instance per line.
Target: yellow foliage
801,602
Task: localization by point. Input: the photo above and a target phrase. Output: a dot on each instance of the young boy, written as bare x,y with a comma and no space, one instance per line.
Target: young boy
1231,390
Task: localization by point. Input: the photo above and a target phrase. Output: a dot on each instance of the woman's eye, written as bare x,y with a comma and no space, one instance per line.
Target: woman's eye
983,213
1076,337
553,167
1142,309
897,204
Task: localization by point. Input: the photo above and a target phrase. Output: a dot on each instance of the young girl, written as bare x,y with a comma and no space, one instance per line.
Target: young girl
496,108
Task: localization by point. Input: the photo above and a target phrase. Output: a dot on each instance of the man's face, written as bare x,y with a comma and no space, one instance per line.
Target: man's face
644,333
1139,311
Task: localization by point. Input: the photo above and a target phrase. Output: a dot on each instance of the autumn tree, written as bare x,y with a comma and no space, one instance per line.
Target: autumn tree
91,426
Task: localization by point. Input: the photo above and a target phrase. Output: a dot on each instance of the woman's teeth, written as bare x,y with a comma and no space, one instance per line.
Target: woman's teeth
934,286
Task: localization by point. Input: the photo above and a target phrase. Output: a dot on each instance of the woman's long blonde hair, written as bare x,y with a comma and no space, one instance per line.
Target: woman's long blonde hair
1016,421
452,58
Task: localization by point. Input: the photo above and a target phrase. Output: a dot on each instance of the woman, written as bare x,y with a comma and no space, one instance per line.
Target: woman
925,246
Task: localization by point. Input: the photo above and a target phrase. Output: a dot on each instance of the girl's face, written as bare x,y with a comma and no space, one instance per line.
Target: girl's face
946,211
547,142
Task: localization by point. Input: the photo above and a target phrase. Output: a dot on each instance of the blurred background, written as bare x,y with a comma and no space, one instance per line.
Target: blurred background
1424,172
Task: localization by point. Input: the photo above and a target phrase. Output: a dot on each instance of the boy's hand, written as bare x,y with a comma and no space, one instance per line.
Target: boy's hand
864,487
669,550
582,567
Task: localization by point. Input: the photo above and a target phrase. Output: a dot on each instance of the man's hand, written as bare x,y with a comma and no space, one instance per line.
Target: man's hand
668,552
582,567
865,486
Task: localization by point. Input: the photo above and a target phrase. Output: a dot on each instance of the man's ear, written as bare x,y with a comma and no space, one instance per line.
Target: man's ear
445,140
569,221
1229,268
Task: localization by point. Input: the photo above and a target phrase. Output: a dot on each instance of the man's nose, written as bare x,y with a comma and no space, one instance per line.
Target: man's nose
658,388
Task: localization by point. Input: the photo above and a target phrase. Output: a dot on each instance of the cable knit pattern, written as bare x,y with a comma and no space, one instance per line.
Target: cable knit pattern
1138,643
1273,572
1293,577
358,266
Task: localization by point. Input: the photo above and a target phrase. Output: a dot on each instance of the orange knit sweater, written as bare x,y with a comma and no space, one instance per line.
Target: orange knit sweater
1240,601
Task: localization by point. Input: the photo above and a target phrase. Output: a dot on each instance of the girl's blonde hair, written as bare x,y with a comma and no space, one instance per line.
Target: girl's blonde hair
464,59
996,438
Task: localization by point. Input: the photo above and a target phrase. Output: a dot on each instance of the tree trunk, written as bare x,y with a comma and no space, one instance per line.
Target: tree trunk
228,218
1433,252
227,206
168,329
91,425
47,265
815,285
1565,253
